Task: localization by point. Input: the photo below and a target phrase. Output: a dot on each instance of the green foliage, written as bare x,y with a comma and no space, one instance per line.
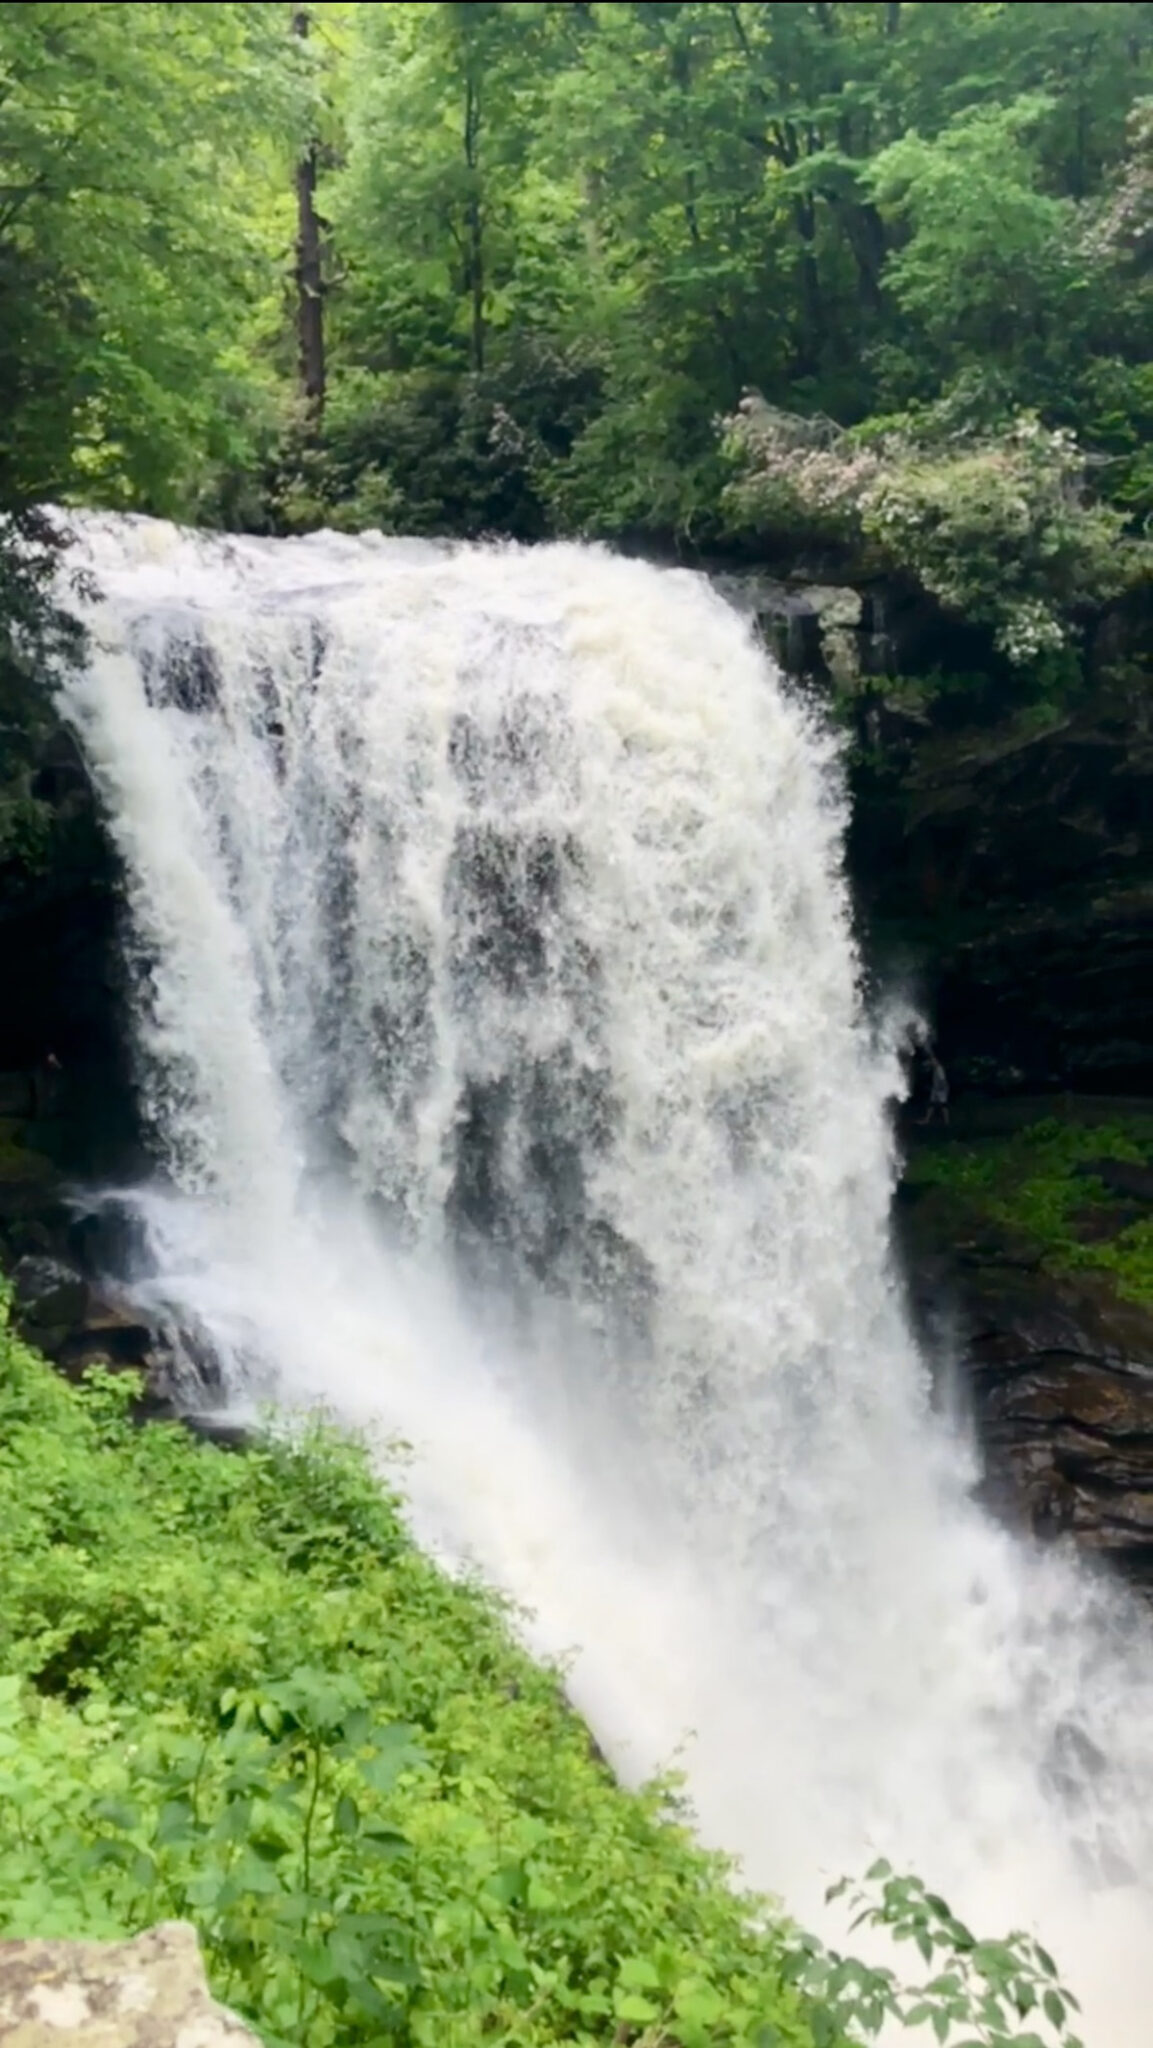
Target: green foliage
36,637
990,268
426,452
985,1988
560,243
997,528
1035,1183
289,1726
137,139
848,208
232,1690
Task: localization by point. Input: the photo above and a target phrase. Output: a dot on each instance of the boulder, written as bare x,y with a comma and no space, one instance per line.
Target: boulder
107,1333
68,1317
146,1993
51,1297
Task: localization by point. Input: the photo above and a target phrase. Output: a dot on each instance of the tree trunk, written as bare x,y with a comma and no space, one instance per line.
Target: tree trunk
475,220
309,271
808,352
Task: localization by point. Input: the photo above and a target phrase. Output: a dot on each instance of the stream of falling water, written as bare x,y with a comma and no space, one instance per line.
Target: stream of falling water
500,1025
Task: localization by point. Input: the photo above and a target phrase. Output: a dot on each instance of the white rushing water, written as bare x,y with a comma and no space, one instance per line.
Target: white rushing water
500,1025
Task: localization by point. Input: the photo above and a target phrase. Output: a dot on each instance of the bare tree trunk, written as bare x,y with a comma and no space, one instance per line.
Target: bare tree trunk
475,220
309,271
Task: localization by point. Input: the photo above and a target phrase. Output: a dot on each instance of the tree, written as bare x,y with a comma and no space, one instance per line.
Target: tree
138,142
310,285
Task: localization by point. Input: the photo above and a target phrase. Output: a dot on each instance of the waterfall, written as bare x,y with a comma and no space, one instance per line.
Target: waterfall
501,1030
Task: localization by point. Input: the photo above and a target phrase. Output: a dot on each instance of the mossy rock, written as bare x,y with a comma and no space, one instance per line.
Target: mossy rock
1070,1192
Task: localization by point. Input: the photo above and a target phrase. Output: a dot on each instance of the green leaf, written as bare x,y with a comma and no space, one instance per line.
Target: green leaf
346,1819
315,1964
119,1813
175,1822
629,2005
396,1970
639,1974
385,1841
251,1874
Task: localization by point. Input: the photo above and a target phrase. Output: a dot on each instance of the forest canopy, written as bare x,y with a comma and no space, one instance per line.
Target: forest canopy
677,273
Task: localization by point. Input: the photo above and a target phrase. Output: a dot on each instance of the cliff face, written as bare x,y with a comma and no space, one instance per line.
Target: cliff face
1026,1231
64,1068
1010,870
1001,850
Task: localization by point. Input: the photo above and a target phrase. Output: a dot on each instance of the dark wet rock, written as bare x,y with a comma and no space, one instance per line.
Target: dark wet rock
107,1235
15,1094
1059,1375
60,777
79,1322
30,1188
50,1296
76,1323
108,1334
63,1042
1007,873
1001,850
219,1430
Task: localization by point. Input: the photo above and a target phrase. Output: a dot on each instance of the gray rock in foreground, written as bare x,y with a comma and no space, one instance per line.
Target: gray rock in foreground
146,1993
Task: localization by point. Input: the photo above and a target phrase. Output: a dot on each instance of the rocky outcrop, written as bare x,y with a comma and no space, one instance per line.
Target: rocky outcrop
1001,849
147,1993
1010,871
78,1323
64,1063
1058,1374
52,1248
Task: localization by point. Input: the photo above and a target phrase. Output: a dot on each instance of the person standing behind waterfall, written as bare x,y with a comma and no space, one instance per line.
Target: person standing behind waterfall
938,1089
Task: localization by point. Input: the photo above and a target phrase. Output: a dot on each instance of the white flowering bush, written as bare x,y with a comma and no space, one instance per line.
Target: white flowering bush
1121,226
998,528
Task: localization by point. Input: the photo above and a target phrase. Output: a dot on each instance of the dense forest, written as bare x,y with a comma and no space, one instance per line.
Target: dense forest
694,276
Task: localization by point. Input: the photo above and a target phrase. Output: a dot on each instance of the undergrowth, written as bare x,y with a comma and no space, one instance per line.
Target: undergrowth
232,1690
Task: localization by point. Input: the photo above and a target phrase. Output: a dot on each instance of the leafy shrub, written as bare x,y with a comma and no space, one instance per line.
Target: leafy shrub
440,451
648,464
996,527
